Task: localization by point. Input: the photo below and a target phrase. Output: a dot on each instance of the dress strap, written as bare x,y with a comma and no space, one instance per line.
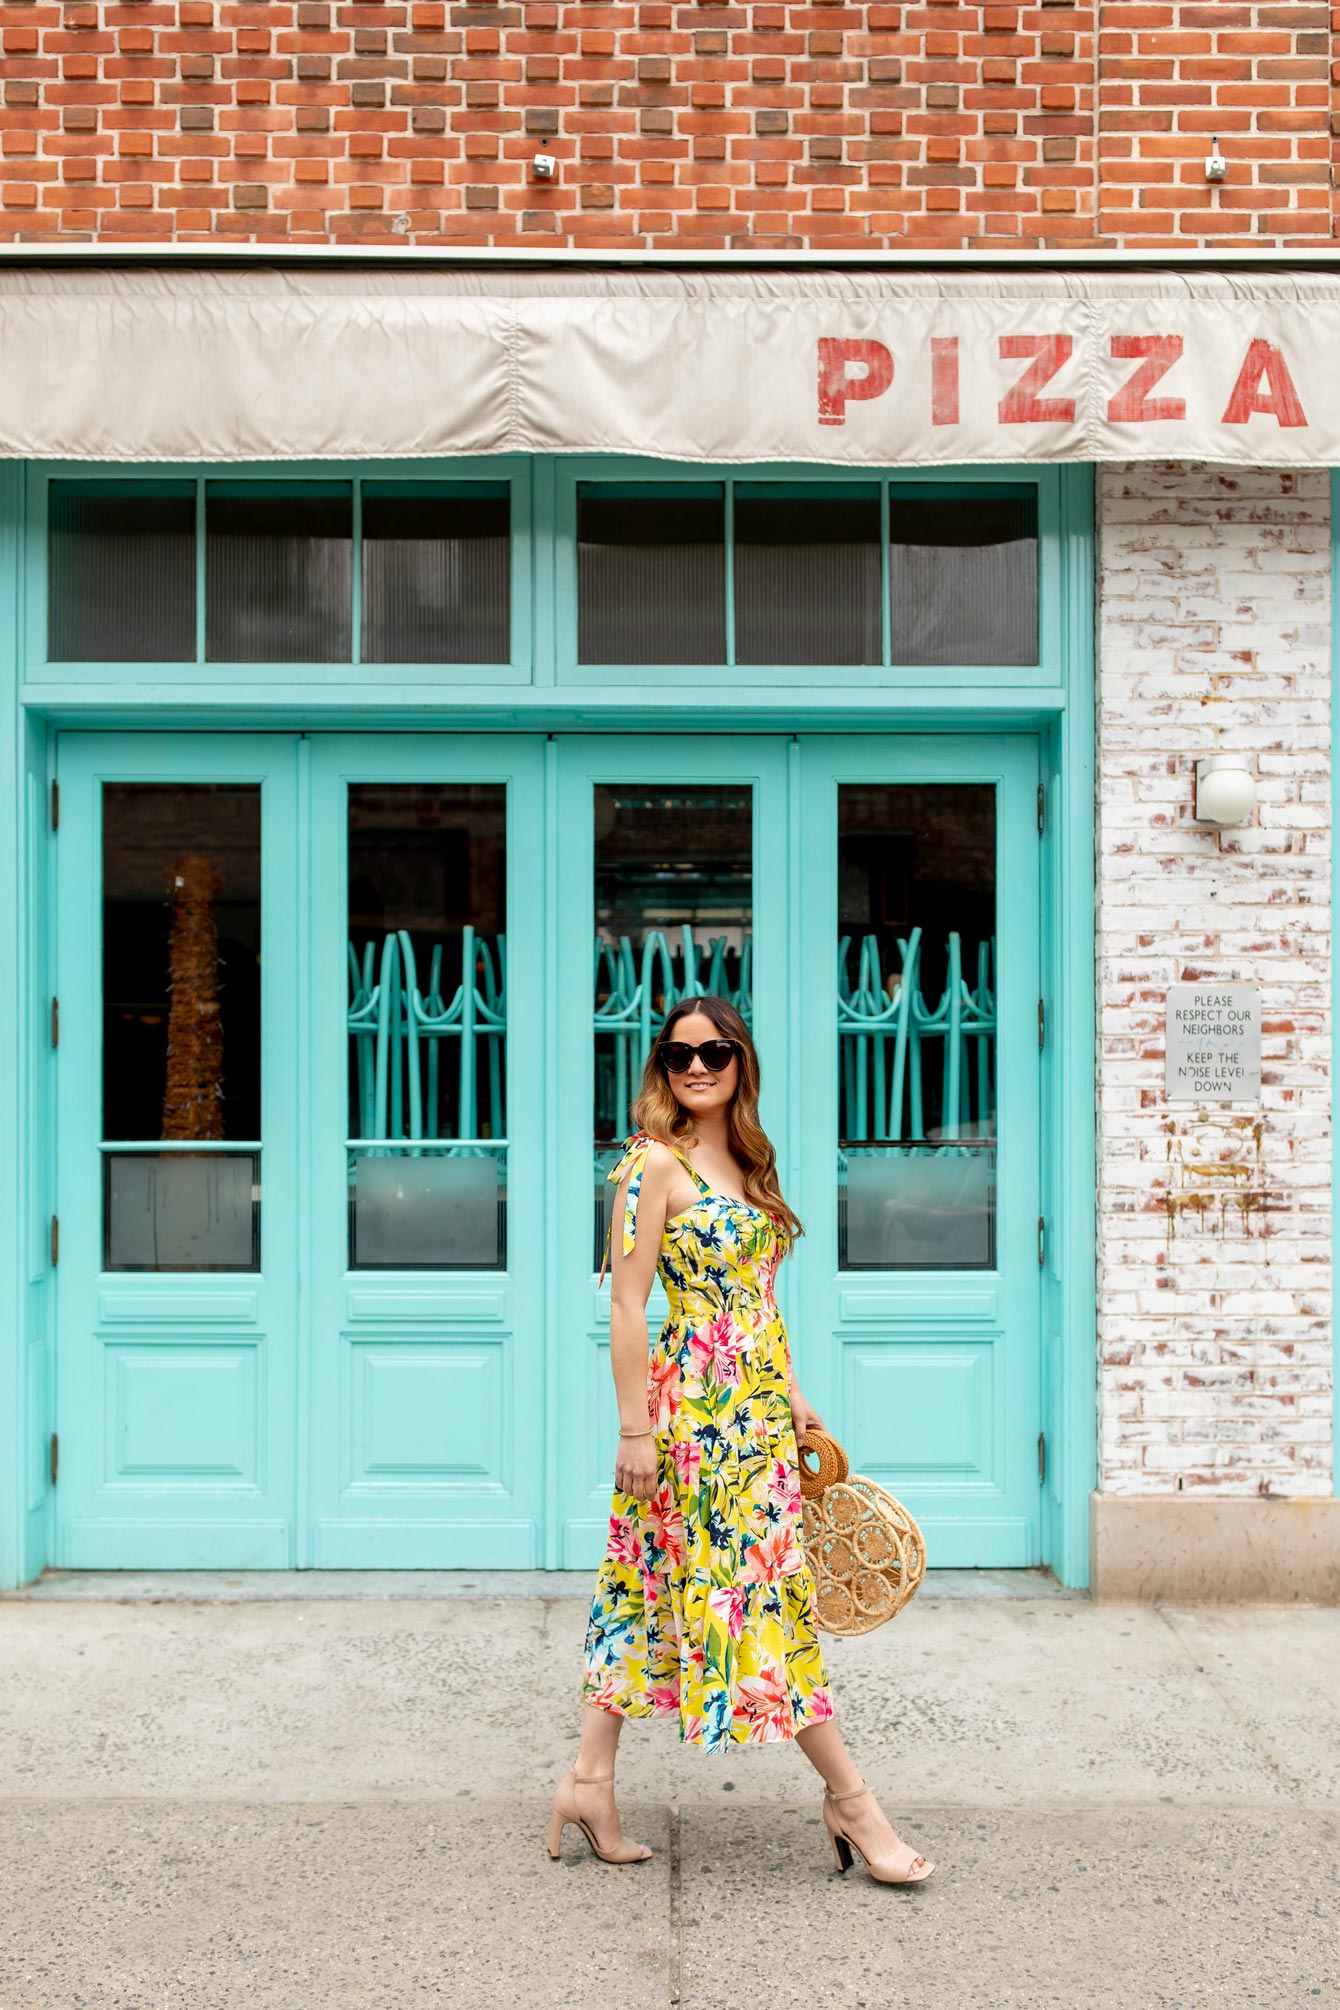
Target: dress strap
633,1160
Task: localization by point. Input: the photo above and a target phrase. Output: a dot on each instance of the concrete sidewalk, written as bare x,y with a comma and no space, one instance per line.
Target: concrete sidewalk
335,1802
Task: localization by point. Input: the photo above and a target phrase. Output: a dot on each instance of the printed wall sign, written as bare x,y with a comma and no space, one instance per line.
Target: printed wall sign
1213,1043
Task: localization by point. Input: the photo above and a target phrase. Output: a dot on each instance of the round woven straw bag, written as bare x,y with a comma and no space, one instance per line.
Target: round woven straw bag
865,1552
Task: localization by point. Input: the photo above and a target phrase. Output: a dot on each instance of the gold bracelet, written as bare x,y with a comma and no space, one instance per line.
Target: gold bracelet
635,1434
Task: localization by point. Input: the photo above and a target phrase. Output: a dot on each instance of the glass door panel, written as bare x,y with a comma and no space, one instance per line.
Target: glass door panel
181,1026
427,1025
178,1110
427,1353
917,1109
663,847
916,1026
673,887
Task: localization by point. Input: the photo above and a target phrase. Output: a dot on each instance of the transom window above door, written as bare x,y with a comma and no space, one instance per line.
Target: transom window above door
533,571
827,574
234,571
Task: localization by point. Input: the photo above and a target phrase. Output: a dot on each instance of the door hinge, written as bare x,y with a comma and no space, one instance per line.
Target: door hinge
1042,1456
55,1240
55,806
55,1456
55,1022
1042,1240
1042,806
1042,1025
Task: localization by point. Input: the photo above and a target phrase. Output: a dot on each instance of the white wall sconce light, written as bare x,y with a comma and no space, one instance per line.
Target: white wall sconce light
1216,167
1225,790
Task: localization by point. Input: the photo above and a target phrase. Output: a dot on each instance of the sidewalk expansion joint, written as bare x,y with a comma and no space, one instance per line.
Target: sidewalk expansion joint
676,1907
1293,1788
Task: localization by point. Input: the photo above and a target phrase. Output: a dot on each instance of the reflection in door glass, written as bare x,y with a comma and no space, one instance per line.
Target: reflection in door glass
916,1026
427,1026
181,1025
674,911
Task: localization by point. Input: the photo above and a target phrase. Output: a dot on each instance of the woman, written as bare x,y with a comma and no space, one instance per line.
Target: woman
703,1606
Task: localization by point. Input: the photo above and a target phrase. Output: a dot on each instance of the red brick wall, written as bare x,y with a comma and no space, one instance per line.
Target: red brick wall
827,125
1171,78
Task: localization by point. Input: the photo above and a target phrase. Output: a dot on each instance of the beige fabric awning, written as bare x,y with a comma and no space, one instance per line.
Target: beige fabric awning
877,368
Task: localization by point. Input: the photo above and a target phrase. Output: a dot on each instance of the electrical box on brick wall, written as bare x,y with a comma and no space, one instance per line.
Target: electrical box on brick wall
1213,1043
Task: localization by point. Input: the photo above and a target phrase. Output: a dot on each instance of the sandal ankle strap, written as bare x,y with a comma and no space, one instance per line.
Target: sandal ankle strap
591,1779
846,1793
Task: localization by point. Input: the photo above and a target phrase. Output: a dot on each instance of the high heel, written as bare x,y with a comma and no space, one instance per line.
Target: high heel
843,1845
564,1810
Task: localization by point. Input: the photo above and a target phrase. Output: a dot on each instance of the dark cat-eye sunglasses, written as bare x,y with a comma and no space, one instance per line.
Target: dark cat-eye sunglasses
676,1056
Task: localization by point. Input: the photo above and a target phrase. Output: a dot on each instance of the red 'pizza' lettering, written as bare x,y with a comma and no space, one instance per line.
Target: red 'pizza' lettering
850,371
1264,363
944,380
1132,404
1021,405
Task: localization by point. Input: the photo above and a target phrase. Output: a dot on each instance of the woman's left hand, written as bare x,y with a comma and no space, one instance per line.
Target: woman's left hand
803,1414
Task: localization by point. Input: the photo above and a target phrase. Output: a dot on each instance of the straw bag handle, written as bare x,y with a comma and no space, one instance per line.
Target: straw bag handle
832,1463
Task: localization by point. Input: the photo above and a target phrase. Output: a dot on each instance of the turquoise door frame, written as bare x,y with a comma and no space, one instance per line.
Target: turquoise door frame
411,1420
175,1397
1054,699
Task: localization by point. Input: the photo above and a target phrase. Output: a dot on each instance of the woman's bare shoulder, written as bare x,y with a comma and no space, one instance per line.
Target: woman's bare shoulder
661,1160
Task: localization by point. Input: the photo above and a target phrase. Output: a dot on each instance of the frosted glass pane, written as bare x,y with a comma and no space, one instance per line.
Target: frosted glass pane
121,573
430,1212
278,574
180,1211
917,1207
651,575
807,576
963,579
437,575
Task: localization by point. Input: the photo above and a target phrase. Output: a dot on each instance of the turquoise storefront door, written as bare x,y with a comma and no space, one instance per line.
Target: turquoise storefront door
179,1103
915,1146
349,1031
871,903
424,1442
301,1312
673,877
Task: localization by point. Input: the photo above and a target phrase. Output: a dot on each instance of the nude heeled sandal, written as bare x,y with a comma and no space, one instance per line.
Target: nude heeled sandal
843,1844
564,1810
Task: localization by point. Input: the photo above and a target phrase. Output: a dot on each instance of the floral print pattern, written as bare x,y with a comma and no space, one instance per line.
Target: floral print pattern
704,1604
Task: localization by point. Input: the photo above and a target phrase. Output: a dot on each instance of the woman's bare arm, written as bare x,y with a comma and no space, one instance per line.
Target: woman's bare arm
631,1279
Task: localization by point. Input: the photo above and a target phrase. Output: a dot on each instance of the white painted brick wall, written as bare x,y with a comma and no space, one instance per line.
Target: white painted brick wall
1214,1224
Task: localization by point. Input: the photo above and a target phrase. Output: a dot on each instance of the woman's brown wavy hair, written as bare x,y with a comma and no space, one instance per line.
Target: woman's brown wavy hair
661,1116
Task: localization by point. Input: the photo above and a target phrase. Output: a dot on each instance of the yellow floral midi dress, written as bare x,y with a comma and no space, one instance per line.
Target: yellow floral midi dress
704,1603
